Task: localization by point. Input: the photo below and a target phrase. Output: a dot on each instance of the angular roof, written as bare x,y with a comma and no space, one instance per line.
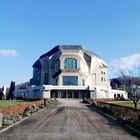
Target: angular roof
65,47
37,64
52,51
68,47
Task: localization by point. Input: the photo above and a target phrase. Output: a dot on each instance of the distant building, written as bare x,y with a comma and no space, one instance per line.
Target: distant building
70,71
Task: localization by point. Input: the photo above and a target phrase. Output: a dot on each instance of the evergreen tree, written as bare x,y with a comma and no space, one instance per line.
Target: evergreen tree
12,88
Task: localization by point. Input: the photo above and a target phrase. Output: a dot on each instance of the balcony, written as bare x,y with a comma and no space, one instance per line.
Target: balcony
71,70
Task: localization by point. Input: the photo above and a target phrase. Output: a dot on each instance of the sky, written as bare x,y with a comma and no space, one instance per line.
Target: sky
30,28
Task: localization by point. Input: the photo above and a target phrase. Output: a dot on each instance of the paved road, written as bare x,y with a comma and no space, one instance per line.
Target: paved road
69,121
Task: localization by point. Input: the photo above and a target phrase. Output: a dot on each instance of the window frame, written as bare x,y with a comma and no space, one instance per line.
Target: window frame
70,82
70,64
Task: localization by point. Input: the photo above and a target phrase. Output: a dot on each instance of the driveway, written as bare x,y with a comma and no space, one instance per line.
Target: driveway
69,121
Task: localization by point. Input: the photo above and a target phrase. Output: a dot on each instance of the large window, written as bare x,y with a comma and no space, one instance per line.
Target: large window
70,63
70,80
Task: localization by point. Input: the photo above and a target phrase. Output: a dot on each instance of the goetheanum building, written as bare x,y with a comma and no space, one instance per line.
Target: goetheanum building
71,71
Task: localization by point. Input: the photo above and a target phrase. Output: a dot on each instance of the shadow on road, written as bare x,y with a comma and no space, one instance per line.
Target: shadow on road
112,122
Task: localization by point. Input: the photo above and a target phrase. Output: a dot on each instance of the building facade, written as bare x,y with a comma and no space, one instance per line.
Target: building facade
70,71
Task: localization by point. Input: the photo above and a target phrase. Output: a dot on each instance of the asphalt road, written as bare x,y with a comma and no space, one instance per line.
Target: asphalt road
68,121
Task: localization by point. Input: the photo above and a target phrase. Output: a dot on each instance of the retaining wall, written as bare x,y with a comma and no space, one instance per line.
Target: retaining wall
127,112
19,108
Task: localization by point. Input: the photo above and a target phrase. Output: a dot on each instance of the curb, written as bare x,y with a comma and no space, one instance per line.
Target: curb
8,127
113,118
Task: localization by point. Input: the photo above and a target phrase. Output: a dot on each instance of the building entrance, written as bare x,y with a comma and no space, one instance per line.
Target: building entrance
70,94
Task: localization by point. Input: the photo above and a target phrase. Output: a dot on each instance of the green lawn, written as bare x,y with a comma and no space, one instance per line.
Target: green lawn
126,103
10,102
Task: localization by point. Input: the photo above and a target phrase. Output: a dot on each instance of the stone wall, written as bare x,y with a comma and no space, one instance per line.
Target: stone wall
19,108
123,112
101,100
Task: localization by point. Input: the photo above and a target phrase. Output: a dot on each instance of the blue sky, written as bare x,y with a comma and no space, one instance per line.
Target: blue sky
29,28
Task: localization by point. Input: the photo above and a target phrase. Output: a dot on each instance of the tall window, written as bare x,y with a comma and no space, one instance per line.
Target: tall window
83,82
70,64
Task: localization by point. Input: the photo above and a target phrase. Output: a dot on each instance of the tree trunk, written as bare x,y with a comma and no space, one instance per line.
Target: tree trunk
135,105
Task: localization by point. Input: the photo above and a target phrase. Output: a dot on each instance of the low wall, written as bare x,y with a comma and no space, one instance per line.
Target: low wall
125,112
101,100
19,108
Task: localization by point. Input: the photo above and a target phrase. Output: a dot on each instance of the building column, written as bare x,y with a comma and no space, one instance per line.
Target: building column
59,94
47,94
72,94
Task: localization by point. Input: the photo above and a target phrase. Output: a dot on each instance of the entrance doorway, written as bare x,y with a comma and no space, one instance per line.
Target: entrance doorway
54,94
63,94
69,94
76,94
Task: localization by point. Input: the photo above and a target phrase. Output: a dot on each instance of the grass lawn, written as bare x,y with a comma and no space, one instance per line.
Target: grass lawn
10,102
126,103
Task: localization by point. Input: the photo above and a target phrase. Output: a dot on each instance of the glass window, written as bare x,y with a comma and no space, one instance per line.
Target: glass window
83,82
57,81
118,95
70,80
70,63
63,94
101,78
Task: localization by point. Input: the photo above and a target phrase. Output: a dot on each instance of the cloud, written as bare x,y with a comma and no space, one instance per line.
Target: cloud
8,53
126,63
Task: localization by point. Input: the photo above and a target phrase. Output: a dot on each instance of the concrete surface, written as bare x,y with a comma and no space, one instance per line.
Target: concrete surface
69,121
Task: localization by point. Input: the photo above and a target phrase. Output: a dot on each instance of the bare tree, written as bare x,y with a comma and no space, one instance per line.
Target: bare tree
130,80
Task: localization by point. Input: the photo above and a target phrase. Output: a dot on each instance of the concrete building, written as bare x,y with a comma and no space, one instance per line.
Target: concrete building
71,71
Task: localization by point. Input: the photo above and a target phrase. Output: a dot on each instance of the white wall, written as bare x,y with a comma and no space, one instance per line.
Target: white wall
121,92
46,94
